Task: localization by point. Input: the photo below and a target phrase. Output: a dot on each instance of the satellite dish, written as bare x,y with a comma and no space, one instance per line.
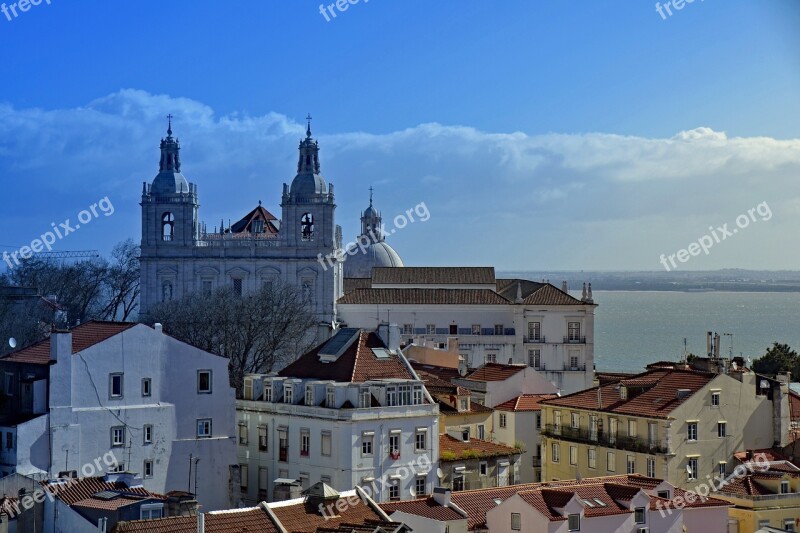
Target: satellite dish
764,384
688,469
12,342
413,493
439,473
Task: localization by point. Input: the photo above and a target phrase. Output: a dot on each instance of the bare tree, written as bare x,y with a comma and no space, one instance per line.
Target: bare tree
258,332
122,282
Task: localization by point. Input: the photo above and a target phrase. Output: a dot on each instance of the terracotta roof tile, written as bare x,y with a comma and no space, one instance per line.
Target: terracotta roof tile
495,372
480,448
658,399
74,491
303,517
525,402
442,372
356,365
426,507
434,275
423,296
351,284
253,519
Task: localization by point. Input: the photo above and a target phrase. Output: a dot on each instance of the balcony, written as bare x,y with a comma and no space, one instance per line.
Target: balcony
539,339
601,438
575,368
569,339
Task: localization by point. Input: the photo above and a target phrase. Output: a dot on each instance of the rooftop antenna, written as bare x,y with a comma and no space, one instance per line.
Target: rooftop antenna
685,350
730,348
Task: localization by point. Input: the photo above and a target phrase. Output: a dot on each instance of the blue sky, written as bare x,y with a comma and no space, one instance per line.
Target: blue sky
540,134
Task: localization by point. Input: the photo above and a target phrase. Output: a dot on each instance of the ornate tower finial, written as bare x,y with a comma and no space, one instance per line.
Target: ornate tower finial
308,128
169,124
170,151
370,195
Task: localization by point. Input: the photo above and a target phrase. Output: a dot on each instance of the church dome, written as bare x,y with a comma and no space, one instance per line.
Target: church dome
307,184
377,254
169,183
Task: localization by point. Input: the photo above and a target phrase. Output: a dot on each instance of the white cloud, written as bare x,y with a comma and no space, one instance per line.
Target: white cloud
590,200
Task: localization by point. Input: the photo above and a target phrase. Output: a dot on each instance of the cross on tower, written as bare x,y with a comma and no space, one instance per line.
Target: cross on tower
308,129
169,126
370,195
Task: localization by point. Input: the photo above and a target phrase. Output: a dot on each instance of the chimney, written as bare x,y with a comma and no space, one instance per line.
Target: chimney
158,327
390,335
716,345
127,478
441,496
201,523
60,345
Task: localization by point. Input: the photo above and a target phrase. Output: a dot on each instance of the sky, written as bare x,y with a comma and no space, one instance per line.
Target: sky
538,134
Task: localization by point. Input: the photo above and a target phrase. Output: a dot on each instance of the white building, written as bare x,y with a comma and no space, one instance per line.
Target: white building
351,412
493,320
132,391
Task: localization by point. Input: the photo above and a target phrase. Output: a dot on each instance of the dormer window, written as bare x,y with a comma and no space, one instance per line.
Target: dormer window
330,398
417,394
391,396
309,395
268,393
463,404
364,399
785,487
623,392
288,393
465,434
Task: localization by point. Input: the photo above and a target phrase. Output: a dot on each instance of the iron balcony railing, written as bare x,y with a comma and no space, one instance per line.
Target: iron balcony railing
569,339
620,442
535,339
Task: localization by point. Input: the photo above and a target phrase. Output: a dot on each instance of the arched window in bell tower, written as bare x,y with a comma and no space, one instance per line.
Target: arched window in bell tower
167,226
307,227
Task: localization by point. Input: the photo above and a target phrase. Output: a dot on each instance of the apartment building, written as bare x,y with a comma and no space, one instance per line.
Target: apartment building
678,424
493,320
350,412
519,420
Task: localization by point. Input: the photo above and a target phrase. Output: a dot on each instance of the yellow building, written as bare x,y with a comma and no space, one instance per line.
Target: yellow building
676,424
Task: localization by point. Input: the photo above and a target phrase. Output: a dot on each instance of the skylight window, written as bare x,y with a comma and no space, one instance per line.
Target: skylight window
587,502
599,502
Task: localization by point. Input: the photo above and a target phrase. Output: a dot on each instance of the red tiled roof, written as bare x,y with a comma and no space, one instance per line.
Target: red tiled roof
422,296
657,401
84,336
426,507
434,275
254,519
474,449
442,372
245,225
357,364
767,454
73,491
304,517
525,402
495,372
534,293
351,284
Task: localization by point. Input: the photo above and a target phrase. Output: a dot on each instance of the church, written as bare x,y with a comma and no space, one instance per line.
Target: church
179,255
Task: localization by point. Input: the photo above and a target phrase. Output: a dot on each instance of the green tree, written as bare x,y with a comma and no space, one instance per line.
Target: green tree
779,358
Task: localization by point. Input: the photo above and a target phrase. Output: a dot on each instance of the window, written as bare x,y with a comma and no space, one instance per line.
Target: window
394,491
631,428
574,522
262,478
652,434
325,444
788,524
146,386
555,454
534,331
262,438
574,331
417,394
593,427
167,226
244,475
453,329
721,468
538,421
9,440
364,399
206,287
516,521
715,399
691,431
408,329
692,463
310,395
631,464
394,445
785,487
491,357
330,397
502,420
404,394
204,428
623,392
575,420
204,381
118,436
268,393
663,494
366,444
147,434
115,385
612,430
419,440
151,512
243,434
305,442
651,467
283,445
391,396
481,432
463,404
722,428
573,455
535,359
638,515
148,468
573,362
557,420
420,486
592,458
9,384
498,329
483,468
465,434
288,393
430,329
476,329
611,461
237,286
